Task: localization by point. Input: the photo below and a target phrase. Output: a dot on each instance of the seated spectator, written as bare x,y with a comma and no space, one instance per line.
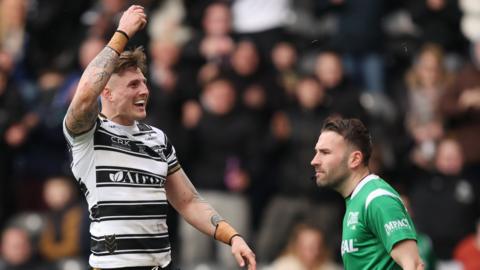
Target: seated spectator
17,251
61,237
467,252
306,250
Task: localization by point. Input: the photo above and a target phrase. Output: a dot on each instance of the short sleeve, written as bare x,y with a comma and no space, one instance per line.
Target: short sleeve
171,155
75,142
388,219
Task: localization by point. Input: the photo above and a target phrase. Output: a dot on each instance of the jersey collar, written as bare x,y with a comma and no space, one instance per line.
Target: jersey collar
362,183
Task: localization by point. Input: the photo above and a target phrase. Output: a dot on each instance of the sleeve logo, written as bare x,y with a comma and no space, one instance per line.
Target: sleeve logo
396,225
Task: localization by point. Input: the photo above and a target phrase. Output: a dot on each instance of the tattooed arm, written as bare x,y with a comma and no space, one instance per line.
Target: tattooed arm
183,196
83,109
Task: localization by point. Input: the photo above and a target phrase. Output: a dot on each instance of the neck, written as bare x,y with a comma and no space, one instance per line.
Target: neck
117,118
352,181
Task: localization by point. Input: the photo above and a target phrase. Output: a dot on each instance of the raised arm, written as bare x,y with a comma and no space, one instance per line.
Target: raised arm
83,109
183,196
405,254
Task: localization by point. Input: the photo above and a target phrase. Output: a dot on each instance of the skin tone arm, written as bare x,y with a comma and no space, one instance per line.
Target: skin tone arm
84,109
183,196
405,254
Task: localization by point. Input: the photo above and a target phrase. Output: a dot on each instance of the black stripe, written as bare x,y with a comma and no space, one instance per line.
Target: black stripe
111,133
128,185
126,144
123,210
133,202
144,133
132,252
128,176
130,244
157,217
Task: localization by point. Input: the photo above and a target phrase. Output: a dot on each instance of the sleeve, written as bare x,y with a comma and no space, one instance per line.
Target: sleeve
171,156
79,139
388,219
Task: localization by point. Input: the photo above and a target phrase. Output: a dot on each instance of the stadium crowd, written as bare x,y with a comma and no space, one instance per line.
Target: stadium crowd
242,88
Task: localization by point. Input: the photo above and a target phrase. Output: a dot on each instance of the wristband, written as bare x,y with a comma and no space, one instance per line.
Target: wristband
123,33
225,233
118,41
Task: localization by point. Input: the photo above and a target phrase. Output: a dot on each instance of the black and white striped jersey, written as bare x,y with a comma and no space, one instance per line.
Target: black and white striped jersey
122,172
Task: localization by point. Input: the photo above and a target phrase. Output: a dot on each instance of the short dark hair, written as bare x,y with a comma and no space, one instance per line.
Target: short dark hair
132,59
354,132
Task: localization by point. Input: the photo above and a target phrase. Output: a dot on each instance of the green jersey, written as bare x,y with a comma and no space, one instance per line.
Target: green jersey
375,220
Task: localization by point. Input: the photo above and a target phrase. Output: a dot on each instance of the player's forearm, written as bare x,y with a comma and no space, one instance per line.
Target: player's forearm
83,109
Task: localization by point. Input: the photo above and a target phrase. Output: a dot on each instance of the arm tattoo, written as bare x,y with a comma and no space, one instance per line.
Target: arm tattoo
83,109
215,219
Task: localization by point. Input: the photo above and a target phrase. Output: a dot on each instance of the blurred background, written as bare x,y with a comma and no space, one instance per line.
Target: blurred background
242,87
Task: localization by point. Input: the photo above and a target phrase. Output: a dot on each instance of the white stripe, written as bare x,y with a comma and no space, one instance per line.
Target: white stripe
363,182
129,260
110,227
377,193
131,193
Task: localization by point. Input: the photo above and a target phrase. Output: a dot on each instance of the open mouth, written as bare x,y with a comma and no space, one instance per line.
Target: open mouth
140,103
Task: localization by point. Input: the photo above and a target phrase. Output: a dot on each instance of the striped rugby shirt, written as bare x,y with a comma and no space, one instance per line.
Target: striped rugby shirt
122,172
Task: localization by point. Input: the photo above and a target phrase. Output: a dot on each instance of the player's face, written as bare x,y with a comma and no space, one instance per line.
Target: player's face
331,160
129,96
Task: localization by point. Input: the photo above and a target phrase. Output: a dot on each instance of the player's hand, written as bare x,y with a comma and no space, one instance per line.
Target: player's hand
133,19
243,254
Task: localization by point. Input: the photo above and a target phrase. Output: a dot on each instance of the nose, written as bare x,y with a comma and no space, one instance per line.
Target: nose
315,161
144,90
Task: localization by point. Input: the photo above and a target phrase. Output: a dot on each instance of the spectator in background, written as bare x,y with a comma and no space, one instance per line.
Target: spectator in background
306,250
17,251
223,158
439,23
210,49
443,199
460,107
54,34
342,97
13,15
296,197
426,83
261,21
467,251
15,125
359,38
284,59
60,239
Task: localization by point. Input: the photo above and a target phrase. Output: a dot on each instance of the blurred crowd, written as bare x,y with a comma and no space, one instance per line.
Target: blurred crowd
241,87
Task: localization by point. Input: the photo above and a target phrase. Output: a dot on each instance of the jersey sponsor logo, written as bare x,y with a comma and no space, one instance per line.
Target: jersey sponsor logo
134,178
352,220
395,225
347,246
120,142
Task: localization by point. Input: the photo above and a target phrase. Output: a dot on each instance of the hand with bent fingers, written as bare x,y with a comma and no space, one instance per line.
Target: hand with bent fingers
243,254
133,19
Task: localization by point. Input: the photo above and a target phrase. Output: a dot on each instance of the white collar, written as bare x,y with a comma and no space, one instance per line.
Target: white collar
362,183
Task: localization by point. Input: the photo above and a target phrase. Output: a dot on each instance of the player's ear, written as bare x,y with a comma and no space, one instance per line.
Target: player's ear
107,93
356,159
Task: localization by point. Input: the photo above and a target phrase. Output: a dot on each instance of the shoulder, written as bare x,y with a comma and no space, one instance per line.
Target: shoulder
381,195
